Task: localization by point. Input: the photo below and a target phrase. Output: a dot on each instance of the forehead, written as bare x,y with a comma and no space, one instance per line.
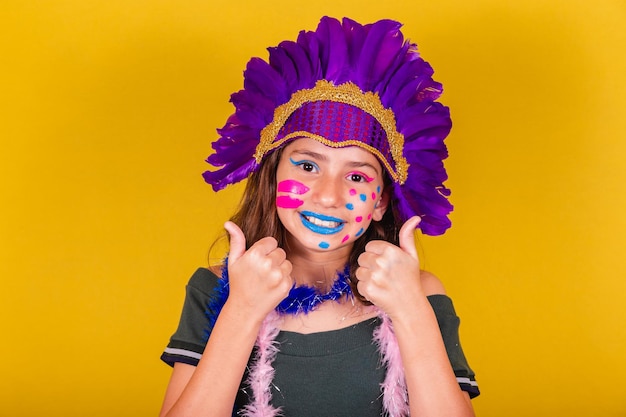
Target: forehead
341,154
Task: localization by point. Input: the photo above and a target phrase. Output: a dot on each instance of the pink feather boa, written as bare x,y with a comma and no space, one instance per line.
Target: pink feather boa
395,397
262,371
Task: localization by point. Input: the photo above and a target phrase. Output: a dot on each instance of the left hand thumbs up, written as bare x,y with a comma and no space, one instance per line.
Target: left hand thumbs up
407,237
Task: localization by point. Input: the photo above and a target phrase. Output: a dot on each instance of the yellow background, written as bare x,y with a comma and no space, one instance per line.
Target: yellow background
108,109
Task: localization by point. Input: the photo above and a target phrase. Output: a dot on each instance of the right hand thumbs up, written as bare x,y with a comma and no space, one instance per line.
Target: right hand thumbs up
237,241
259,277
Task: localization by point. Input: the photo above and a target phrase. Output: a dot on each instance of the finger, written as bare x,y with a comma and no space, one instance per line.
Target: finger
237,241
286,267
368,259
407,237
376,246
270,247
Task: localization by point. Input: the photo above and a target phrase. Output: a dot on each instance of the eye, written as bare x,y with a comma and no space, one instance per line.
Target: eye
356,178
359,177
305,165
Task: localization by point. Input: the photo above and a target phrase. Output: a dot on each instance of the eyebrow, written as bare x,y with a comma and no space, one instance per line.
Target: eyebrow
320,157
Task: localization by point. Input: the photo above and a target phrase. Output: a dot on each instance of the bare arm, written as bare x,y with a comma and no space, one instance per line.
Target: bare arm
389,276
258,278
193,391
431,383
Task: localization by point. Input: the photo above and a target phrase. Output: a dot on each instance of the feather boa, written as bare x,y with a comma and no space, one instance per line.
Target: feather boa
395,396
262,371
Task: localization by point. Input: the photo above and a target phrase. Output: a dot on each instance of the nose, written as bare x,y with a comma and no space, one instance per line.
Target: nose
328,192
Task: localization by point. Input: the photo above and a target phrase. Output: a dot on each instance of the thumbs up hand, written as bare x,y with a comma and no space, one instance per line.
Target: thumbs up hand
388,275
260,277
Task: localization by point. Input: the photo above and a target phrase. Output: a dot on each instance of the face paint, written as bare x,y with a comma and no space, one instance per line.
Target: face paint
287,202
321,224
320,215
292,187
368,179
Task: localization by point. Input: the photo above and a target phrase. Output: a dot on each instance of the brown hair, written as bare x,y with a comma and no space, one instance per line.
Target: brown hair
257,216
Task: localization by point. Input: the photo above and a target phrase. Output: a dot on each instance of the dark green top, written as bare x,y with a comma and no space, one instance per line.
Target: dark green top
333,373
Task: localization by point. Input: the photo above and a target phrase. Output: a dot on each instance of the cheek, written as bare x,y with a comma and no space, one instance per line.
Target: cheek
361,204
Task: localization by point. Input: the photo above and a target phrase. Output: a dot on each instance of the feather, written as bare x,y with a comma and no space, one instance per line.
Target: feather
398,62
309,41
285,66
302,62
380,47
333,50
395,397
262,371
261,78
253,109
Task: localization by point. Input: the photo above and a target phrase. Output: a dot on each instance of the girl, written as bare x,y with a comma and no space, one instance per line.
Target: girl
321,308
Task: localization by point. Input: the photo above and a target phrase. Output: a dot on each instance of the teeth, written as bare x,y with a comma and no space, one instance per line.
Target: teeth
322,223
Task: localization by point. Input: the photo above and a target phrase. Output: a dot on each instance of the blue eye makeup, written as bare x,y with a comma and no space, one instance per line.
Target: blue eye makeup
305,165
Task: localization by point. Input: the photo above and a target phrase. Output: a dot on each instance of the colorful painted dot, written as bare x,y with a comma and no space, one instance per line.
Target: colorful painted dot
359,219
346,237
373,196
378,189
359,233
324,245
363,197
353,191
369,217
350,206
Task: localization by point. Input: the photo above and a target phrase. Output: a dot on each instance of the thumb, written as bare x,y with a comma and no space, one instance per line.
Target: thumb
237,241
406,236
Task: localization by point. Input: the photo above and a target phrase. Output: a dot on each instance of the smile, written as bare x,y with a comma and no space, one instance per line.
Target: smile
321,224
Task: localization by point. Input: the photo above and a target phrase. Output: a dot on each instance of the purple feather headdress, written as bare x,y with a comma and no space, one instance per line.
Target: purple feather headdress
345,84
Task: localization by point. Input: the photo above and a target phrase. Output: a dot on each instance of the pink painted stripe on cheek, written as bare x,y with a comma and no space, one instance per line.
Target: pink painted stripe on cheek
292,186
287,202
346,237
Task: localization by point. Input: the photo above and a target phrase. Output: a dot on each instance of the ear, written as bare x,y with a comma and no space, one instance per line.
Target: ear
381,206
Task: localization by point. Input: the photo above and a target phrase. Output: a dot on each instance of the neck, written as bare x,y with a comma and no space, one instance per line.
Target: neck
317,268
320,274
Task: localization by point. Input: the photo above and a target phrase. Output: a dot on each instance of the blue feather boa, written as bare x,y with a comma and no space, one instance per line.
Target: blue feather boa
302,299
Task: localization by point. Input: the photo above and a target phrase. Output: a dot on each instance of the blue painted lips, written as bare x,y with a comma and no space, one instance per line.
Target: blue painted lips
318,223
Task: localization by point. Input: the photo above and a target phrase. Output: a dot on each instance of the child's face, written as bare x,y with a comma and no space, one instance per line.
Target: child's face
327,197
